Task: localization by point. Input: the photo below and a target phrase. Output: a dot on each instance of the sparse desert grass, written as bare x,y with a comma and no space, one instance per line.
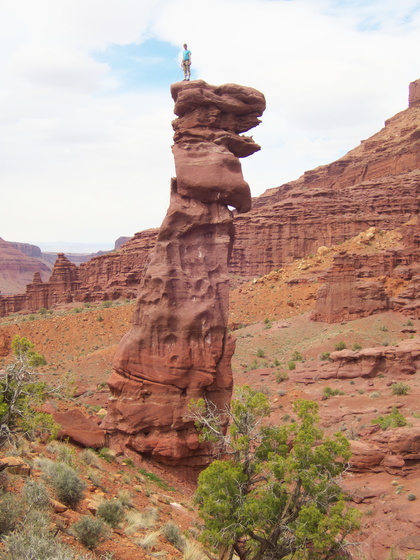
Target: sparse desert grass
392,420
156,479
94,477
328,392
400,388
193,551
149,540
89,457
66,454
172,533
90,531
253,365
106,454
11,510
4,482
125,497
65,481
136,520
35,494
40,545
112,512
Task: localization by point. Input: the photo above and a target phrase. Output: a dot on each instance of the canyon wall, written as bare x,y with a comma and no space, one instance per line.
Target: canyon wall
375,185
361,285
63,284
18,264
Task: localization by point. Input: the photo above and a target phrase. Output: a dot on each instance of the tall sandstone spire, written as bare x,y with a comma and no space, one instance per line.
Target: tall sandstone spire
179,348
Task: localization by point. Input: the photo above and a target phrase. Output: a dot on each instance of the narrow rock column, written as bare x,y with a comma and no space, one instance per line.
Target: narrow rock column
179,347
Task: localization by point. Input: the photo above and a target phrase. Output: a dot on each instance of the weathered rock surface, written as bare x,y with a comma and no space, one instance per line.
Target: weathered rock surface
414,94
19,261
375,185
388,450
403,442
365,456
208,142
179,347
15,465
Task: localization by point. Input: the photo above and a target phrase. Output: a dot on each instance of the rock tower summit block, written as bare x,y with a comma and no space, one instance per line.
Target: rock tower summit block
208,142
178,347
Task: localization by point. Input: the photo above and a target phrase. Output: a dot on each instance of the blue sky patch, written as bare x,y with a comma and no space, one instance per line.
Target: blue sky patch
152,63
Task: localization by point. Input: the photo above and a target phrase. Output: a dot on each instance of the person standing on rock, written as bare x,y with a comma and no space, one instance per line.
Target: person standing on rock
186,63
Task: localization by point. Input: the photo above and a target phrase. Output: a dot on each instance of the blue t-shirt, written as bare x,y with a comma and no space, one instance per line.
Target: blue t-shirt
186,55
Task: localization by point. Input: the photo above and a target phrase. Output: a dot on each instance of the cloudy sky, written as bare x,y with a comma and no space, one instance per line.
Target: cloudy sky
85,108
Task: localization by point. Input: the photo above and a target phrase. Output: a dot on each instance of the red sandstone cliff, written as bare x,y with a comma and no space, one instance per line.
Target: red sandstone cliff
376,184
116,274
360,285
61,287
17,268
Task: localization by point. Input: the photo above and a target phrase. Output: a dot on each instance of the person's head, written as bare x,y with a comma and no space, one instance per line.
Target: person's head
185,46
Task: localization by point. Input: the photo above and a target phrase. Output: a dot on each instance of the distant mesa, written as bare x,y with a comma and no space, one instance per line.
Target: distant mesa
18,264
414,94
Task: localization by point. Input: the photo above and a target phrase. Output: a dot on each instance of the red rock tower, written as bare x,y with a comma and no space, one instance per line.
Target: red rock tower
179,347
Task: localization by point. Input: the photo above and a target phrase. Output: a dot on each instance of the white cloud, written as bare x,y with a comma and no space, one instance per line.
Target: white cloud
62,68
91,161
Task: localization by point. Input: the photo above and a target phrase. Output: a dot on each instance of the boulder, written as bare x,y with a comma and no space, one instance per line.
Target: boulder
75,426
405,442
365,456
